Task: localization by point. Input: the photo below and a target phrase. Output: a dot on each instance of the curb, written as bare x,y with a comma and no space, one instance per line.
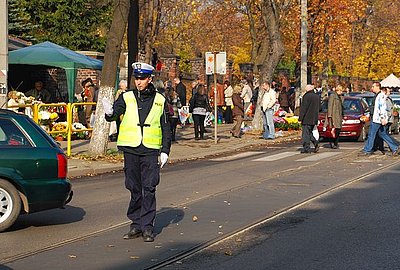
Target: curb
78,168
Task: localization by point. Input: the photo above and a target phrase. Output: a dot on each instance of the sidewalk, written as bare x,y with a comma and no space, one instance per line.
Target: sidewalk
184,149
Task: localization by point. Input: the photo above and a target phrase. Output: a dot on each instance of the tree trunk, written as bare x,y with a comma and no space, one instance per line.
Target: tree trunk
99,139
273,43
253,31
151,19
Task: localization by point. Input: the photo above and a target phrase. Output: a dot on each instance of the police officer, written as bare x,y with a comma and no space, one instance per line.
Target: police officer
145,138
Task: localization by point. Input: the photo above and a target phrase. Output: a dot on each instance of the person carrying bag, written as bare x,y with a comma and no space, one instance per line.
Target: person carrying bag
334,117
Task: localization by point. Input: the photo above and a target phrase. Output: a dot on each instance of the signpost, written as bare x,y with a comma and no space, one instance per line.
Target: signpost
3,52
215,63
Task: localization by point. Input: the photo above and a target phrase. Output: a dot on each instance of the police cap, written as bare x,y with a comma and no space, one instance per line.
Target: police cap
142,70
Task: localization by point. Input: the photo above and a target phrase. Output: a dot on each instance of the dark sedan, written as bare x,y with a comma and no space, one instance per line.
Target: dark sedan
355,118
33,169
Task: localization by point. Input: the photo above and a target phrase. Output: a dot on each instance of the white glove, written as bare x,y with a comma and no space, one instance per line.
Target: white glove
163,159
108,109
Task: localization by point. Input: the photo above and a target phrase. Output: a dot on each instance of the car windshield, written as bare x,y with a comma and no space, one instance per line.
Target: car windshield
349,106
369,100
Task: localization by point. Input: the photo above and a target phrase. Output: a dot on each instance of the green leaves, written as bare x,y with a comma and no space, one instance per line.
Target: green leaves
76,24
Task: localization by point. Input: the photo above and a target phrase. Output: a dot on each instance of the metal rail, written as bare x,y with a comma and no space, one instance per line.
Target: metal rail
69,110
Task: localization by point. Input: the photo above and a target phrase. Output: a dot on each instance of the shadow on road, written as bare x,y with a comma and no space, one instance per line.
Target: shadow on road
50,217
166,217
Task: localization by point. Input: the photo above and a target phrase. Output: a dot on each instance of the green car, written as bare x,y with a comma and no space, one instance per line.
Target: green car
33,169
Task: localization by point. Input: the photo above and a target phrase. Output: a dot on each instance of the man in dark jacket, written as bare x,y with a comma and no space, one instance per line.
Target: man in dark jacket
145,138
309,109
180,90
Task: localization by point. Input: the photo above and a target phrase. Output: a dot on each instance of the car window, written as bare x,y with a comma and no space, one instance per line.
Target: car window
365,105
396,101
351,106
324,106
11,135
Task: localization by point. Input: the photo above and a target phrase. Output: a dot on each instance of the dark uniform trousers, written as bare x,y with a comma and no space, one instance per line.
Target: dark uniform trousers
142,175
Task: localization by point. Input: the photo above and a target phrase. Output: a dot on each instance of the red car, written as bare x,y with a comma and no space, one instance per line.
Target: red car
355,118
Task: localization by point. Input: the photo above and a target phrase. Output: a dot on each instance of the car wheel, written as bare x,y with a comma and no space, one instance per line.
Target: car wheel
10,204
363,135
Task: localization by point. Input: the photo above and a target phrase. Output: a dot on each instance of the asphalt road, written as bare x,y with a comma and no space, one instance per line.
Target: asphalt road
225,194
356,227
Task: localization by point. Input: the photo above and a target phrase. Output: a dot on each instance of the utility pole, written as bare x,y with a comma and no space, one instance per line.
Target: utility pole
3,52
133,43
303,47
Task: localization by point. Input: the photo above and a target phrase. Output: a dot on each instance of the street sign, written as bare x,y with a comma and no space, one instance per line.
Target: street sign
220,65
3,89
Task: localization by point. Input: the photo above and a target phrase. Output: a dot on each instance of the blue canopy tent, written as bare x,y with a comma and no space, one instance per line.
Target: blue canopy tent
53,55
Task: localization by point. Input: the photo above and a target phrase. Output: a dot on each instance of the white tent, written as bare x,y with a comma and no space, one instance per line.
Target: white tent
390,81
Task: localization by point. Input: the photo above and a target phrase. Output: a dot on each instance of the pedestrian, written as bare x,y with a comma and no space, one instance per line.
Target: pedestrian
389,108
246,95
228,91
378,142
378,125
198,106
309,109
154,57
292,99
174,106
254,97
267,107
144,138
220,99
180,89
39,93
88,95
122,87
334,115
195,84
14,101
237,111
283,99
160,87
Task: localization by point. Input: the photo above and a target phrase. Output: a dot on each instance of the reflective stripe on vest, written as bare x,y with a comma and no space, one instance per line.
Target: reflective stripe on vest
130,132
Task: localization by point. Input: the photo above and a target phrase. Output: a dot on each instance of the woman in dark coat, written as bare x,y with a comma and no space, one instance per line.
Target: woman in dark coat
199,105
237,111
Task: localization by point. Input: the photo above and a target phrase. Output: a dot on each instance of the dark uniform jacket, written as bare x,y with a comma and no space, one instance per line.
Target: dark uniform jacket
309,109
145,100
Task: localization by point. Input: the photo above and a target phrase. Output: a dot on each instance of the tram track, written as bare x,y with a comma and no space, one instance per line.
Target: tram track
216,241
204,245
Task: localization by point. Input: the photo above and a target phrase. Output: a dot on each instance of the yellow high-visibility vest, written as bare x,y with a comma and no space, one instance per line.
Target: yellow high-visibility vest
130,131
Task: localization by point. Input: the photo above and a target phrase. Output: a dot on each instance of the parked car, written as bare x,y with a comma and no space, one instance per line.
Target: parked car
395,127
368,96
33,169
355,118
